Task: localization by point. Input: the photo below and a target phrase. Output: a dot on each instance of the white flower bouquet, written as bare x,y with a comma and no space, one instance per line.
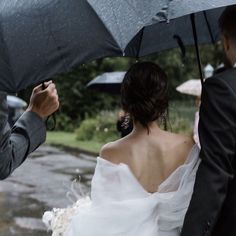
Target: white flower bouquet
59,219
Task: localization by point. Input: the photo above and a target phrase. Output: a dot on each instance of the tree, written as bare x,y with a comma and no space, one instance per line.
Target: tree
79,102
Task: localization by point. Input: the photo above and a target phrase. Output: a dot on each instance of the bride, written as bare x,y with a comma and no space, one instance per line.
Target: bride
143,182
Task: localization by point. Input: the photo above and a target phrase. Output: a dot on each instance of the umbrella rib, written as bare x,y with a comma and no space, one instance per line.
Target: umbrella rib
140,43
120,32
209,27
192,17
51,35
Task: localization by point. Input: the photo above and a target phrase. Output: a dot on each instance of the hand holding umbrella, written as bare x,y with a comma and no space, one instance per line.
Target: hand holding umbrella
44,102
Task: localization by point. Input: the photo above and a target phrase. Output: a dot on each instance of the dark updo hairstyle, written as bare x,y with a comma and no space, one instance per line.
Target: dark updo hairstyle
144,93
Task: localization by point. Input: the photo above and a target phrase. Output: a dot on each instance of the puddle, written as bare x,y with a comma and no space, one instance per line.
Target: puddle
80,175
30,223
21,216
41,183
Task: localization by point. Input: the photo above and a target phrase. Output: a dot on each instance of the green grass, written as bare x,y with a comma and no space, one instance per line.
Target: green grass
69,140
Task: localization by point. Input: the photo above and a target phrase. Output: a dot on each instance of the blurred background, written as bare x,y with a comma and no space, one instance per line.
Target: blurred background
87,118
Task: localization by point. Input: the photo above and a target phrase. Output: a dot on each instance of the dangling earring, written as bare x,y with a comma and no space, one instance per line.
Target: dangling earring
125,123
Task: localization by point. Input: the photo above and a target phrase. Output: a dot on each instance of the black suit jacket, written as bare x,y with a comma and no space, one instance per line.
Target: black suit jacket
212,210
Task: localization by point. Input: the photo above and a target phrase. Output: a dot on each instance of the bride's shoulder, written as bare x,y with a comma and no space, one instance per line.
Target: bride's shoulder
185,139
184,145
111,152
180,138
181,143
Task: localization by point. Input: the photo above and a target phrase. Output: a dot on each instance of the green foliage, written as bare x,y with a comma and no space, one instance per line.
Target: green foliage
78,102
181,117
87,129
94,132
63,122
180,69
106,127
102,128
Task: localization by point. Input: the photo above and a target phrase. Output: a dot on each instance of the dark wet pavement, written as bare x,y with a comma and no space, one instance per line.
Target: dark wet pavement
41,183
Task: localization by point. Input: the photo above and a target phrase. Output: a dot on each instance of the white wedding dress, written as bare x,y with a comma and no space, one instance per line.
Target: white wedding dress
120,206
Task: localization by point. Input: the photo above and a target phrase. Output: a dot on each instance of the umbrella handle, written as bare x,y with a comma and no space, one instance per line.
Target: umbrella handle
51,117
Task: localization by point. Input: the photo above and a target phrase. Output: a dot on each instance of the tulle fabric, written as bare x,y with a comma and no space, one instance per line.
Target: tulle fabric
120,206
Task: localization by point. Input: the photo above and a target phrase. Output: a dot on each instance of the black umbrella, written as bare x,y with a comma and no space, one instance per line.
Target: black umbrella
109,82
176,23
41,38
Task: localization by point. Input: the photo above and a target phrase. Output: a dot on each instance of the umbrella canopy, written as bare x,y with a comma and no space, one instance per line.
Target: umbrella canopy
171,22
124,18
178,32
109,82
193,22
175,23
15,102
191,87
41,38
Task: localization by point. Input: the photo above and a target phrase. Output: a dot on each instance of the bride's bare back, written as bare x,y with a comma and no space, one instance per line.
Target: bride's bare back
151,157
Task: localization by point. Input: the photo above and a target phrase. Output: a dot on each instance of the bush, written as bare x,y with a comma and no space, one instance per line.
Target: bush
86,130
63,122
106,127
102,128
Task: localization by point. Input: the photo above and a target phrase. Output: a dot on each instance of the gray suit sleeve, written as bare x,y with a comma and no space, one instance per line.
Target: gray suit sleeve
17,143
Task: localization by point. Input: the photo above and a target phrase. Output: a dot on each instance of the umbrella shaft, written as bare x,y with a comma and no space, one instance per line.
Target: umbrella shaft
196,46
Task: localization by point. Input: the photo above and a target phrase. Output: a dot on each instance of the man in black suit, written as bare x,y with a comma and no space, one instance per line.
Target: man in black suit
212,210
28,132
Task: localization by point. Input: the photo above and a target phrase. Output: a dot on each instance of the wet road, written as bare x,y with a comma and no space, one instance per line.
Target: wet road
41,183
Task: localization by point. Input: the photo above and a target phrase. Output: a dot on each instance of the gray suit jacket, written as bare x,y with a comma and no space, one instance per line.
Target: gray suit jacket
16,143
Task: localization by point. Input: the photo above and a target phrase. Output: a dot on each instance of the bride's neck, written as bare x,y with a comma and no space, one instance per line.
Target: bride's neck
153,127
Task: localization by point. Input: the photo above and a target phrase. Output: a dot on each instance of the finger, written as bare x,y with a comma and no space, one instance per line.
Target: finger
55,93
55,90
51,87
37,88
47,83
